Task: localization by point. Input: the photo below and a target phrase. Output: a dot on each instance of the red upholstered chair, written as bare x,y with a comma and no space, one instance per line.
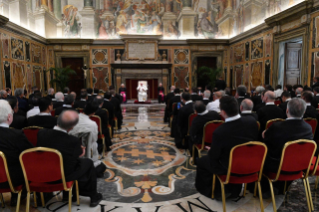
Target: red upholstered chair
109,126
5,177
244,159
32,134
172,116
296,156
80,110
41,166
277,102
221,117
98,121
313,123
271,121
208,131
190,121
53,113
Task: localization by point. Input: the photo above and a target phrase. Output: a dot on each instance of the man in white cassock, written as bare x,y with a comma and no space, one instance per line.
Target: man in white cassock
142,95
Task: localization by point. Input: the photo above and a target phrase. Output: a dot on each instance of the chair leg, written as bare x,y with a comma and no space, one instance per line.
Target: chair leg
214,182
255,190
18,202
223,196
35,199
260,198
307,195
2,201
70,199
272,196
28,202
285,187
316,184
42,200
77,192
245,187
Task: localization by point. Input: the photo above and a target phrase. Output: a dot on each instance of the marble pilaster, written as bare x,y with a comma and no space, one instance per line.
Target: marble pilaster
4,8
88,3
46,23
31,20
88,20
168,18
186,20
18,12
57,9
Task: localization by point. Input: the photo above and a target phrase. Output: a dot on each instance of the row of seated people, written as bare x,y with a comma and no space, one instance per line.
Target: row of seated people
78,163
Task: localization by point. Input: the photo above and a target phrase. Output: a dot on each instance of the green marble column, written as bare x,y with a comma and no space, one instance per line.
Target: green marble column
88,3
57,9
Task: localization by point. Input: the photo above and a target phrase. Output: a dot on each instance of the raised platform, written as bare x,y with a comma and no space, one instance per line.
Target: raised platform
148,102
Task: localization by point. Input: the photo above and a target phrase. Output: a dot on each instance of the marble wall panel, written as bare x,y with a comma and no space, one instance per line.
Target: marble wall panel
257,48
256,74
181,77
17,50
18,76
99,56
100,78
5,39
181,56
35,53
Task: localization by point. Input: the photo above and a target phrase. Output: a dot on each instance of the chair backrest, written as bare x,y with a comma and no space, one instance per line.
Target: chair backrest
80,110
313,123
247,158
53,113
271,121
221,117
32,134
190,121
97,120
277,102
106,112
42,165
297,156
209,129
4,172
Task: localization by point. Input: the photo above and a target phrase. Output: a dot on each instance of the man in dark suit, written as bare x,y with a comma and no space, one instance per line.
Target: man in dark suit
116,95
289,89
23,104
104,120
109,107
66,91
75,168
256,98
59,99
13,142
316,82
168,98
285,97
240,94
51,93
44,118
82,102
270,111
19,121
206,97
310,111
220,84
246,108
117,109
194,95
67,105
243,129
90,94
197,128
34,89
315,100
182,119
174,111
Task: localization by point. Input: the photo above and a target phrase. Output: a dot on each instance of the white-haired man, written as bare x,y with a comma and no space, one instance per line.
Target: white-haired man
206,97
51,93
257,98
59,99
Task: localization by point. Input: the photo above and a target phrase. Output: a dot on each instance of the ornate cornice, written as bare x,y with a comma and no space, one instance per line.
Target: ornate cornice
53,41
253,31
3,20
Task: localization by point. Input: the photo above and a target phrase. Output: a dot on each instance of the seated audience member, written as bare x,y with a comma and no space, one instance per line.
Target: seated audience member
228,92
9,92
257,97
51,93
197,128
75,168
279,133
116,95
104,121
66,91
73,94
269,111
269,88
240,94
206,97
59,99
315,100
195,96
90,92
19,121
34,89
285,97
299,91
289,89
168,98
278,91
3,94
110,108
117,109
23,104
262,104
316,82
67,105
243,129
95,92
35,110
182,119
310,111
13,142
220,83
44,118
174,111
246,108
82,102
214,105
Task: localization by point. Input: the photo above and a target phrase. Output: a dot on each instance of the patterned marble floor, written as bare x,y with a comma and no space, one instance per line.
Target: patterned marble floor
147,173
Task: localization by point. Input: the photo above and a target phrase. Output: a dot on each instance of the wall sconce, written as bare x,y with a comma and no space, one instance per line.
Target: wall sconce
85,69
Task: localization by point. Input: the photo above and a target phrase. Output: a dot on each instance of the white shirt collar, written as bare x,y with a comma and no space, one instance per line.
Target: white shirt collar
242,97
65,94
308,104
233,118
106,100
35,108
246,112
89,94
59,100
270,103
293,118
69,106
5,125
317,94
59,129
287,100
205,98
299,95
194,93
84,100
44,114
188,102
203,113
177,95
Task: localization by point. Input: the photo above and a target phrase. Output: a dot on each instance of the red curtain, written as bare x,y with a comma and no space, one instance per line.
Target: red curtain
131,85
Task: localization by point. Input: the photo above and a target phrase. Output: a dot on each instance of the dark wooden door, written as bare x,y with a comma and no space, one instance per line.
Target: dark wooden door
132,84
76,82
292,63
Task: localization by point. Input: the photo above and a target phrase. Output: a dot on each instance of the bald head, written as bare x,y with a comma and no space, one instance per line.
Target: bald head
299,91
217,95
73,94
246,104
270,96
68,119
100,100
